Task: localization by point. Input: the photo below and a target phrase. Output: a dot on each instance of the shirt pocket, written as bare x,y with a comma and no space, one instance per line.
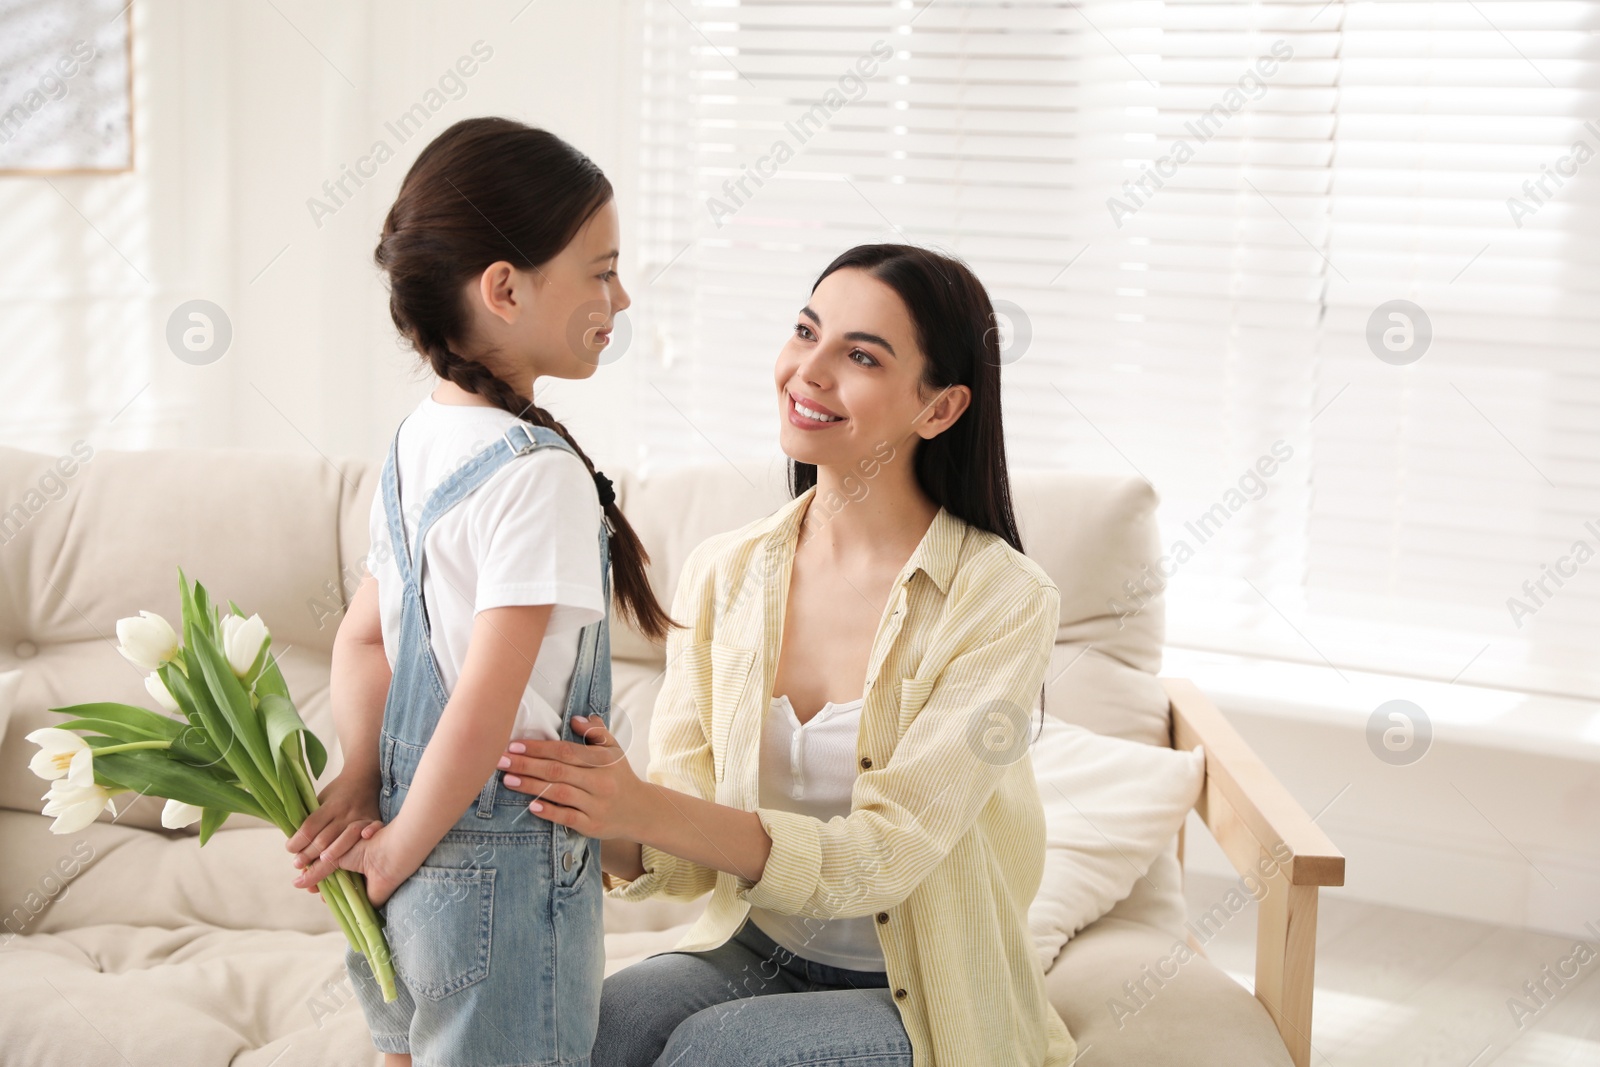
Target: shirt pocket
719,678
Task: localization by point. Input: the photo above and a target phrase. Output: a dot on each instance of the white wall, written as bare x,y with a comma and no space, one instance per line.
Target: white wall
242,112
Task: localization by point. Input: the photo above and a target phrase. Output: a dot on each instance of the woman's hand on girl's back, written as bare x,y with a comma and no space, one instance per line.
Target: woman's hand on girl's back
588,786
348,806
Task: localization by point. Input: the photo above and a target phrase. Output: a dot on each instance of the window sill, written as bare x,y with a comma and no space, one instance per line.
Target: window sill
1563,727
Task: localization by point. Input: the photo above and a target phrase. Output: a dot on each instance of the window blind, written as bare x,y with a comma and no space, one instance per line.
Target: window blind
1315,270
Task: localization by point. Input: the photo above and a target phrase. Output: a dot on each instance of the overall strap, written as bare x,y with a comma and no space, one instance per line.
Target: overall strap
390,487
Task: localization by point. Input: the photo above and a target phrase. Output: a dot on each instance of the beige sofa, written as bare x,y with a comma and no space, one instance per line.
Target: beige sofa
130,944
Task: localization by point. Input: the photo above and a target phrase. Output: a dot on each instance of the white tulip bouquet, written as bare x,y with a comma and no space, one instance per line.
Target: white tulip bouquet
239,746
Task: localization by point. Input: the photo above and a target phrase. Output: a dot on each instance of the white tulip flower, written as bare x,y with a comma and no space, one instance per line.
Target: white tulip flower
62,754
146,640
75,806
158,689
176,815
242,640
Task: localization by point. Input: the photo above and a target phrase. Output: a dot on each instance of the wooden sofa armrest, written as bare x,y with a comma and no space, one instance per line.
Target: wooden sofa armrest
1268,836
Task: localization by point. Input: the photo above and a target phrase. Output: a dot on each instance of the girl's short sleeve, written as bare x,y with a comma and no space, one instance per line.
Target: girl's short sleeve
536,534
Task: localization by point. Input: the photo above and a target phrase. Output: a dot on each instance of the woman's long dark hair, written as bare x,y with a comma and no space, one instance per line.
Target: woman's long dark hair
963,469
485,190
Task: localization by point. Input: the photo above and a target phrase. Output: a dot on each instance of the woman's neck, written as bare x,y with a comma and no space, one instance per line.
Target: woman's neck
884,516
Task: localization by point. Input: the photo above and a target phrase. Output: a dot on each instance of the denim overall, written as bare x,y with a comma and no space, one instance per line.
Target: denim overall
497,938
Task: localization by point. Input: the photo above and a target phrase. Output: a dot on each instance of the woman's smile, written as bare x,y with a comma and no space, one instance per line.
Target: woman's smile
810,415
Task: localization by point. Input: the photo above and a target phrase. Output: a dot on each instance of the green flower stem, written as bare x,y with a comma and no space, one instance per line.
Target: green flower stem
377,950
308,789
341,911
130,746
288,799
348,898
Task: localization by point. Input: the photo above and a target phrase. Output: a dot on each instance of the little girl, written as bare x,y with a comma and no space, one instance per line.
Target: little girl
485,616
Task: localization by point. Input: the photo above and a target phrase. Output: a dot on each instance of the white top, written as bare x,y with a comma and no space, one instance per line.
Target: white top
810,768
530,534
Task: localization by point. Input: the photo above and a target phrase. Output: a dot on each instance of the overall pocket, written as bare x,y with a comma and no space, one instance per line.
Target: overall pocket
440,923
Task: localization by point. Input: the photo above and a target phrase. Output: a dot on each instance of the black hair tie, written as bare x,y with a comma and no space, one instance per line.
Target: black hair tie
608,495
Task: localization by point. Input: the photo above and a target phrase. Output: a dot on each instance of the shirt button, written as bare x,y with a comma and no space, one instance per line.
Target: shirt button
883,916
899,994
866,762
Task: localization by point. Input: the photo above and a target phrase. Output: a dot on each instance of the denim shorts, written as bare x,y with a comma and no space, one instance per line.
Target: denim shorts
498,941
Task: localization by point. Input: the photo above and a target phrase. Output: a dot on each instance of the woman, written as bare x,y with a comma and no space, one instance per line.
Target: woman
838,748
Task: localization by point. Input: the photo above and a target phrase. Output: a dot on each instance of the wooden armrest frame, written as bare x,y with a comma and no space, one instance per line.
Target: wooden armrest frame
1267,835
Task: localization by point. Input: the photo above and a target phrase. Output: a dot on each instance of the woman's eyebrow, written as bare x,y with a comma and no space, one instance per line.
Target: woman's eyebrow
858,335
604,256
854,335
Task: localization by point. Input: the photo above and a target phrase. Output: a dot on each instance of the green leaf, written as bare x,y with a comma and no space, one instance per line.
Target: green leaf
252,775
271,680
232,700
210,820
207,739
197,606
186,601
204,609
155,773
125,722
177,682
283,722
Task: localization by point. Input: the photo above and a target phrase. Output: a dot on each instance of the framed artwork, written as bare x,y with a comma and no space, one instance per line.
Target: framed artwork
66,87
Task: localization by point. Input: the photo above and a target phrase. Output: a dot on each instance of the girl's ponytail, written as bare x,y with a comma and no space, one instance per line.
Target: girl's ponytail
436,237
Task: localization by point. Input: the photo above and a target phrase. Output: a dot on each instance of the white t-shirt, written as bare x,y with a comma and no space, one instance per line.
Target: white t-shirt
527,535
810,768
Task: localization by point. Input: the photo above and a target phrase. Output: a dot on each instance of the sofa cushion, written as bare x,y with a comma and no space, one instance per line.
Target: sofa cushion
1141,996
10,682
110,873
260,527
110,995
1096,535
1110,807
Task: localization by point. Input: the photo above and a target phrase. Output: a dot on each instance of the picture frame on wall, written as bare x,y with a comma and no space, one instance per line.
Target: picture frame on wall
66,87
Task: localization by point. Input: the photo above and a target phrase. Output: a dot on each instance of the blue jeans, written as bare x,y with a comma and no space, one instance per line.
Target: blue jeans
749,1002
498,938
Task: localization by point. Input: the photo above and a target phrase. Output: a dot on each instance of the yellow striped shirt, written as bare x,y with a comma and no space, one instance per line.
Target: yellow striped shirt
944,842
